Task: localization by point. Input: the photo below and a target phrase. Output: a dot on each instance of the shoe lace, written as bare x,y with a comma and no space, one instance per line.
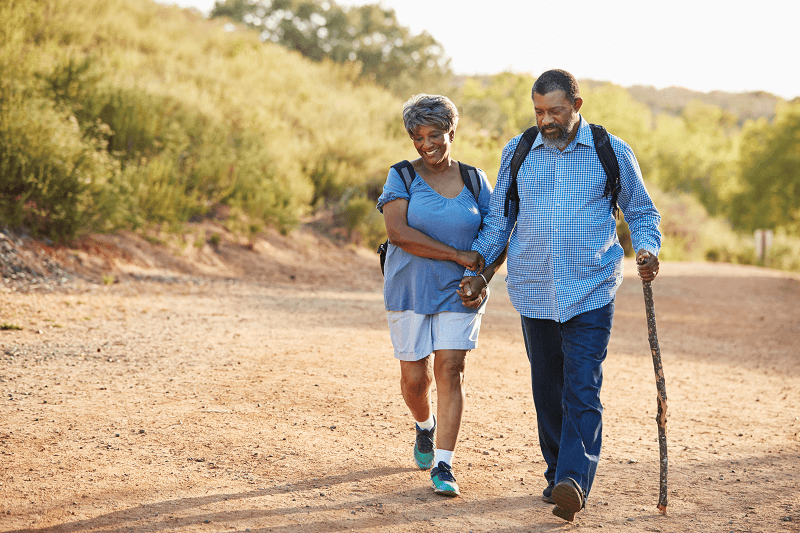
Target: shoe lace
424,441
444,472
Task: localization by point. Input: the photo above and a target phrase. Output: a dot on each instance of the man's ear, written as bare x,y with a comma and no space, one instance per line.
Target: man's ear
578,103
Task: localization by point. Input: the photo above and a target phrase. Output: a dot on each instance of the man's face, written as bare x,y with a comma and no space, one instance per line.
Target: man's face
556,117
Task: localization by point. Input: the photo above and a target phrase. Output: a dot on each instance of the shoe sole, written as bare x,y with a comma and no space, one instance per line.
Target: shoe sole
567,500
449,493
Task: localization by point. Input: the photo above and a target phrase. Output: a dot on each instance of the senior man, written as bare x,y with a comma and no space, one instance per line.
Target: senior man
564,268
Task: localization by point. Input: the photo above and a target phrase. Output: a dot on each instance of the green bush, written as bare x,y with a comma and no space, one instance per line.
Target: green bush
51,176
363,222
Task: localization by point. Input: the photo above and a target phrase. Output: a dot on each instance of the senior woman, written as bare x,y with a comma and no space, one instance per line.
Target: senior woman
431,224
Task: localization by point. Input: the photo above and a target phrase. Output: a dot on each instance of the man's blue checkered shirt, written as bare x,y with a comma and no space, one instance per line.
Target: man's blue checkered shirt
564,257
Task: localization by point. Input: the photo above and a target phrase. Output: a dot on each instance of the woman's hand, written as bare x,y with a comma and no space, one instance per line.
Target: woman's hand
471,260
478,300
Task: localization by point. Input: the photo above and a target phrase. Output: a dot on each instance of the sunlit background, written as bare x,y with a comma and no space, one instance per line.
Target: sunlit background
272,115
700,45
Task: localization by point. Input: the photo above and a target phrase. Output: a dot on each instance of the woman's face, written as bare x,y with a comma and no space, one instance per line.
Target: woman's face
432,144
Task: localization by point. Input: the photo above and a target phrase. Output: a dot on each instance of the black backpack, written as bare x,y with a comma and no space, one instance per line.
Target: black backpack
604,151
406,170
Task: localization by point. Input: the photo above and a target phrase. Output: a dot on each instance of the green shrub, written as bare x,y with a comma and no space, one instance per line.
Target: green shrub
364,223
51,176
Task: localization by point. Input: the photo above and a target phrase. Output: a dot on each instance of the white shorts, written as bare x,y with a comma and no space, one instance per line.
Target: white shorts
415,337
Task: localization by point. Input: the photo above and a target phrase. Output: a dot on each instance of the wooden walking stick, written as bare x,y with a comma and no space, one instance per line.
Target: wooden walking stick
661,416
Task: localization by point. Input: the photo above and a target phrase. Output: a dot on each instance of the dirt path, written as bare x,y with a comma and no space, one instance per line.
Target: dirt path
245,406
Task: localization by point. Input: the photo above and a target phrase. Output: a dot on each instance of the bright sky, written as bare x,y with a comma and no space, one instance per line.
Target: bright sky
703,45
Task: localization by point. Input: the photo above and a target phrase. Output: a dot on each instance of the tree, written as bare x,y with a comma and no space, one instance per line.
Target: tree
770,179
369,36
500,104
696,153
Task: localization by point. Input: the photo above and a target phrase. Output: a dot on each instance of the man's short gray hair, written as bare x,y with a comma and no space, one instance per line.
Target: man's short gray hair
429,110
557,80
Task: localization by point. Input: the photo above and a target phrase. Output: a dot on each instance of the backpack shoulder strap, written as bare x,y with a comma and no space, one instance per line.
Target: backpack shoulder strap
520,153
407,172
471,179
608,159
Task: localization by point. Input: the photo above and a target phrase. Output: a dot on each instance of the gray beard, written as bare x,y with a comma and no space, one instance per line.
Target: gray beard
561,142
558,143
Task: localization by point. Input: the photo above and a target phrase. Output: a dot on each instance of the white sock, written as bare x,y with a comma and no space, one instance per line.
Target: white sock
443,455
428,424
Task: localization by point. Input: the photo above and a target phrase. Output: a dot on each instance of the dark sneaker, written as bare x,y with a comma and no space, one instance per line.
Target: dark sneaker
423,446
443,481
569,499
547,494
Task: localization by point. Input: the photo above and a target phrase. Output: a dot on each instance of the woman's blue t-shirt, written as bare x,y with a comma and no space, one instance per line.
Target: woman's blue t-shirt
427,286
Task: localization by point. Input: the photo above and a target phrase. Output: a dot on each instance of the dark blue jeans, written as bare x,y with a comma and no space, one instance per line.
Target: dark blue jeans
566,376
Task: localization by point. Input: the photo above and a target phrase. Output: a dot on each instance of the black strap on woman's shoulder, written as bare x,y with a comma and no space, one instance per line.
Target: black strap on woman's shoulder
469,175
407,173
472,181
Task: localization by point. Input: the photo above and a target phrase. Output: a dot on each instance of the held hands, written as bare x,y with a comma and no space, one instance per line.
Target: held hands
472,291
647,264
471,260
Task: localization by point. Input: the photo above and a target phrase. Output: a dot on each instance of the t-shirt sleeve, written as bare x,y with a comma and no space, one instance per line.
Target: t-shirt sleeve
393,189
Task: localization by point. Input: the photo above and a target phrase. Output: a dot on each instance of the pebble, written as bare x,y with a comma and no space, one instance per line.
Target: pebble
15,256
25,268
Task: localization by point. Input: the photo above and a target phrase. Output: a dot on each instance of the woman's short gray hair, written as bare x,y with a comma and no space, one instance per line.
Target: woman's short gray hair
429,110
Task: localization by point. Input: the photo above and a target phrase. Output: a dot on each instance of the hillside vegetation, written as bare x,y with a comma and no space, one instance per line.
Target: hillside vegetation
123,113
130,114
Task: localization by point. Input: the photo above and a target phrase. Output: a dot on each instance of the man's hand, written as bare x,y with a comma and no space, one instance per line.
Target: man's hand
647,264
472,291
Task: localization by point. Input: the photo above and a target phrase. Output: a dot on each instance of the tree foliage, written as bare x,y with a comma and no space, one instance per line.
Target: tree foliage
368,36
128,113
110,124
770,174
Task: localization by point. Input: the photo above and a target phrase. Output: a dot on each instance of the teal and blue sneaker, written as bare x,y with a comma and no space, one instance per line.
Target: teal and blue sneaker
424,447
443,481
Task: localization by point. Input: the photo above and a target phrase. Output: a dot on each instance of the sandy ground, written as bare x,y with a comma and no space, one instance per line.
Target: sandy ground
268,401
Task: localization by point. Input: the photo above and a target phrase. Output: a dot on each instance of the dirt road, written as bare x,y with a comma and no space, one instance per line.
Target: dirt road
263,406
